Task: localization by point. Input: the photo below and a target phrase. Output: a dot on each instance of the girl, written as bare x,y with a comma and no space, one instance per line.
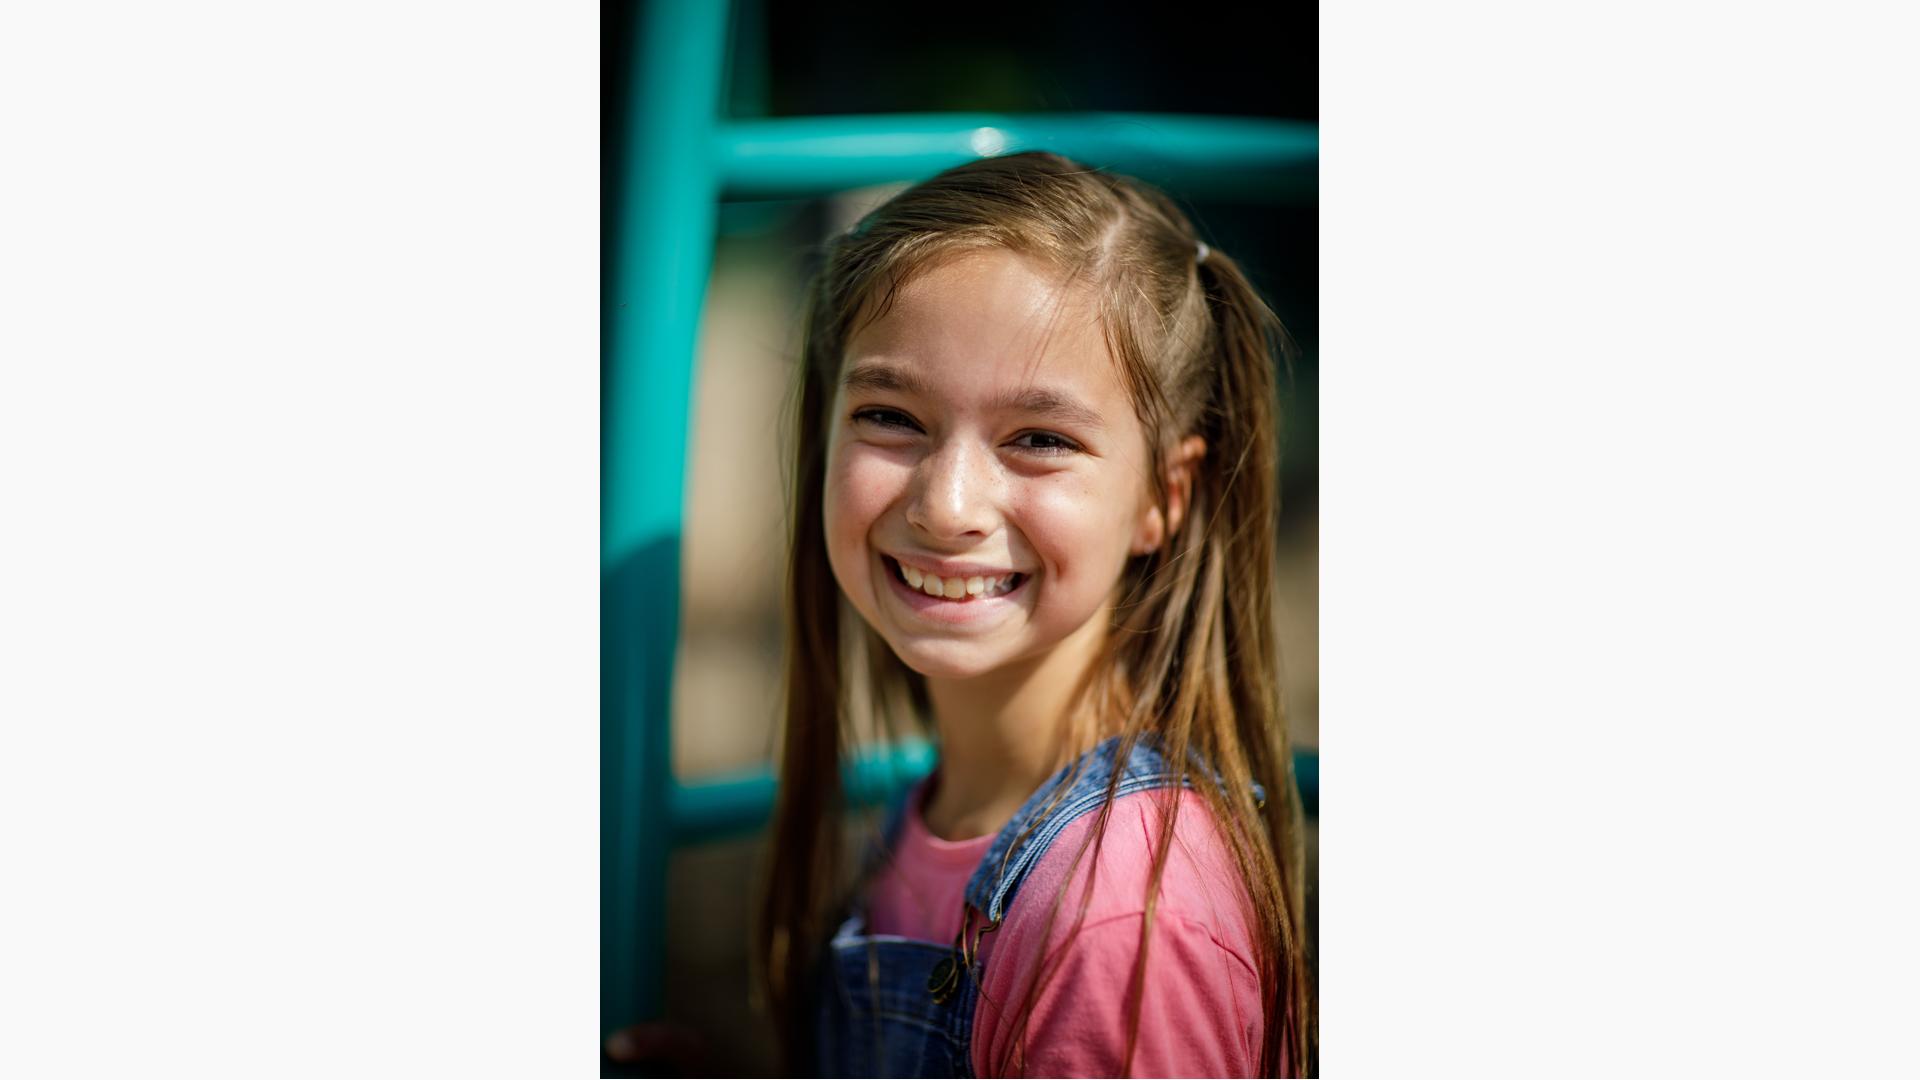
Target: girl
1036,458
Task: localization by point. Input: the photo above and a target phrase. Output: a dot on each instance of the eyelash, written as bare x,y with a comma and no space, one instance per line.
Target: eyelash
873,416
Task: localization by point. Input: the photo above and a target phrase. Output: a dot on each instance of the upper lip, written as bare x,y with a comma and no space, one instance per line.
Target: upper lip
945,569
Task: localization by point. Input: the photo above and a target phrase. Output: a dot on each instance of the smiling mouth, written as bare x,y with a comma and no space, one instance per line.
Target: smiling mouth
956,590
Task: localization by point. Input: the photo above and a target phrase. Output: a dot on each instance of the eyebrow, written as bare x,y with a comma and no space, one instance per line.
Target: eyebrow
1037,400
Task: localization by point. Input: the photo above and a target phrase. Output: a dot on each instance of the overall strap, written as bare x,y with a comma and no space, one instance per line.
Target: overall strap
1057,803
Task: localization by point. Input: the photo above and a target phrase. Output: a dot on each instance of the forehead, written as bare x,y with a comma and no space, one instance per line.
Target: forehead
993,320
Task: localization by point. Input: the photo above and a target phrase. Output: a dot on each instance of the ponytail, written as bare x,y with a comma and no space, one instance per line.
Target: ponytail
1243,425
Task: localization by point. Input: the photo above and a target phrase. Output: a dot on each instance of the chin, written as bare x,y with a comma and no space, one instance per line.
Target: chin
944,661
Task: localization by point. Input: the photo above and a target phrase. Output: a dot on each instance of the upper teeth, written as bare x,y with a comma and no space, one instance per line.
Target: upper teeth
955,588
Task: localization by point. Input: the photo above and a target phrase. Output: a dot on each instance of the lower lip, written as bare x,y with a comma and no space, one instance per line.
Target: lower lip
940,609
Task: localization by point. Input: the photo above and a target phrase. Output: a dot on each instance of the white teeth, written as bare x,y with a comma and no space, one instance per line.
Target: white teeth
955,588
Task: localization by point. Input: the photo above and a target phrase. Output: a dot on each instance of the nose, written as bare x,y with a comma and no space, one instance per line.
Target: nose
954,492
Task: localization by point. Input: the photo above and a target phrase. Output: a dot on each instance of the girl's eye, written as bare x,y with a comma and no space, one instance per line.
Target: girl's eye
887,418
1046,442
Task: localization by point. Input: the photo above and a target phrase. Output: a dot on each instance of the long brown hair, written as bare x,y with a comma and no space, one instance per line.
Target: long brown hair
1192,660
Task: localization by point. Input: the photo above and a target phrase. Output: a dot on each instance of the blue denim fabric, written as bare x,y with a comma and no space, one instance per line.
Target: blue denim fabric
877,1014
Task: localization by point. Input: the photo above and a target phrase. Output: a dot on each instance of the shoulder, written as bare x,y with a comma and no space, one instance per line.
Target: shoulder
1201,1010
1110,865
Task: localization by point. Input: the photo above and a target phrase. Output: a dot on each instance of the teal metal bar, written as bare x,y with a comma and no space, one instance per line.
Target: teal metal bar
737,804
1230,157
1306,774
656,277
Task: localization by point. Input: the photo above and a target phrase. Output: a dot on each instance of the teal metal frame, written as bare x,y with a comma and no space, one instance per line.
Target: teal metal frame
685,157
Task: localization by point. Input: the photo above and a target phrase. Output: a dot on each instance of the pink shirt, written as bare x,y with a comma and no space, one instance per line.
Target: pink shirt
1201,1011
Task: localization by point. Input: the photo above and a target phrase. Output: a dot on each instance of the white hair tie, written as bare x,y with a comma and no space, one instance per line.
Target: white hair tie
1204,252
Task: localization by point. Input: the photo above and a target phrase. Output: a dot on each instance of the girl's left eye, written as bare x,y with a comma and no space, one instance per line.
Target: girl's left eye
1046,442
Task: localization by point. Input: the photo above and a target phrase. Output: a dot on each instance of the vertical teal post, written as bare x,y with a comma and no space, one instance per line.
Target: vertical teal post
657,267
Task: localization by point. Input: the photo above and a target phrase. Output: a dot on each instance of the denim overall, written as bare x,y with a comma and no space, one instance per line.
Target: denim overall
893,1006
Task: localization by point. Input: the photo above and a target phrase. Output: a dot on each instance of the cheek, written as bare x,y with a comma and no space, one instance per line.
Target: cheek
1082,529
860,486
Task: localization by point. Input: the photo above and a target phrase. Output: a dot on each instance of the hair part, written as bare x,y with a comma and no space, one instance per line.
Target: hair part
1193,658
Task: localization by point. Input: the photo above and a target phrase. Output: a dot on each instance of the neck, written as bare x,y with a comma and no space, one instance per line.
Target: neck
1003,733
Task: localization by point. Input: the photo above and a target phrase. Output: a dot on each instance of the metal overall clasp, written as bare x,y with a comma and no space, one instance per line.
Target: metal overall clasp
946,974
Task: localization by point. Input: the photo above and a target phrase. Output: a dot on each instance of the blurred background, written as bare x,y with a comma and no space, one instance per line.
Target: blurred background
786,59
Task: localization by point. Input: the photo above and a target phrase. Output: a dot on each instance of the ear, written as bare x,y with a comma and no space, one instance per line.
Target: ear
1179,469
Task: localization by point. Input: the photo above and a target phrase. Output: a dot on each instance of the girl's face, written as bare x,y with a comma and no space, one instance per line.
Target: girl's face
980,454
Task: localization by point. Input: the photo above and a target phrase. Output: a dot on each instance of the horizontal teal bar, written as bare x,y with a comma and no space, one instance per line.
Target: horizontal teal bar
736,804
1236,157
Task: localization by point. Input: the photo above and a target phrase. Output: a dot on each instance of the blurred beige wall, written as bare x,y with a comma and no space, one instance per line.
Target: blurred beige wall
726,684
